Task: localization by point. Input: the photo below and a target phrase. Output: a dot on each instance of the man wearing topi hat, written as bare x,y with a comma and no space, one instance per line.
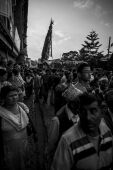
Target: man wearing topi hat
66,117
88,145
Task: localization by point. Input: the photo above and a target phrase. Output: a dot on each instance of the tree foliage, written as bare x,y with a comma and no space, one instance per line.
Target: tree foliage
90,49
69,56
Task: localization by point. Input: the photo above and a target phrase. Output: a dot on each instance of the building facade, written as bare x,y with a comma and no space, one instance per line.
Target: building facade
13,30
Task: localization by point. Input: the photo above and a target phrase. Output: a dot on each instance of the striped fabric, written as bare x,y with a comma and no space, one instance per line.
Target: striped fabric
85,155
77,151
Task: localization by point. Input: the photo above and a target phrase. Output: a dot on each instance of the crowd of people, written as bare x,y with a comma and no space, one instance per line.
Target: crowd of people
80,135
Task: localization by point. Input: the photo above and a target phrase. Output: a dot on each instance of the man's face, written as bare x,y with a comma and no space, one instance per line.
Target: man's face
90,116
85,75
104,85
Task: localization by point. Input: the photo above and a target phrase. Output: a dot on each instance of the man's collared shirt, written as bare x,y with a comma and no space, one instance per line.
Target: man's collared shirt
53,131
77,151
71,116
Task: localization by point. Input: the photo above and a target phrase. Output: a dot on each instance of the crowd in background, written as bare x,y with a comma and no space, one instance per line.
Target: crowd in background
75,141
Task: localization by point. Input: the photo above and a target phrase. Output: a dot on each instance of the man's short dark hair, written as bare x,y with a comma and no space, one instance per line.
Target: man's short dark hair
87,99
81,66
75,103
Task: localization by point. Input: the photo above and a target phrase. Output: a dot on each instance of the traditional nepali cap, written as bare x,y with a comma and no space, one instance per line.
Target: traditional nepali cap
71,93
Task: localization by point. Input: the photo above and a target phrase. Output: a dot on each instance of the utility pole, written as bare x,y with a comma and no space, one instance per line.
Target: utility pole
109,45
52,22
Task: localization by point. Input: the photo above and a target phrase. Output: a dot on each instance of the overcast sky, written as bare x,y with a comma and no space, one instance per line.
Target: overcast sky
73,21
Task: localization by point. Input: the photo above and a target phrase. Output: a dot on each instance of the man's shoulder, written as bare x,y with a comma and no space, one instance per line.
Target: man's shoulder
104,127
80,86
24,107
72,134
55,121
61,110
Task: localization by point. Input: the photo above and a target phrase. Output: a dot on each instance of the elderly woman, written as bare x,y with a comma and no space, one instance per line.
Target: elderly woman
13,130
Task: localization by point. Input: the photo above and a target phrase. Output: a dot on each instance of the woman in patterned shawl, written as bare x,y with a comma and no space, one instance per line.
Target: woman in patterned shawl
13,131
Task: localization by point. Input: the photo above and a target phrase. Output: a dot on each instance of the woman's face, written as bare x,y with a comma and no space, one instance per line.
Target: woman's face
12,98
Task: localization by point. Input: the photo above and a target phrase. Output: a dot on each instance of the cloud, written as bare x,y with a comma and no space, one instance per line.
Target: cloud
107,24
35,31
59,34
58,42
98,11
67,38
83,4
60,37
